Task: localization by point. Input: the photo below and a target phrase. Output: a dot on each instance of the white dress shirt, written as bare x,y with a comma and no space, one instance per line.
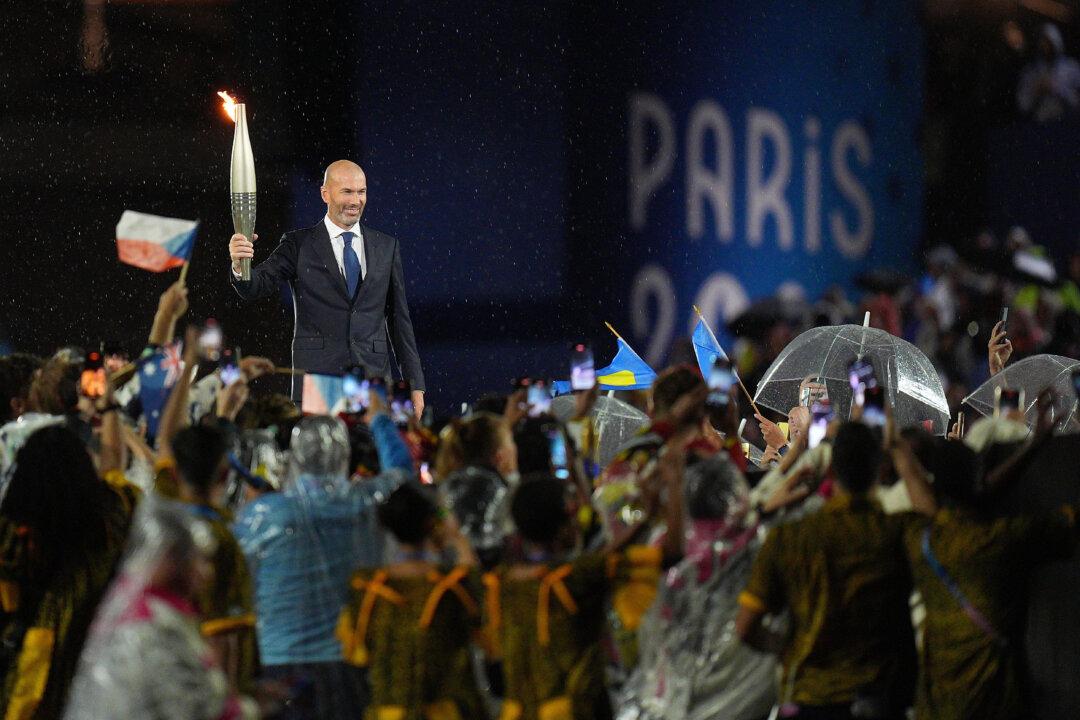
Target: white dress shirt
338,245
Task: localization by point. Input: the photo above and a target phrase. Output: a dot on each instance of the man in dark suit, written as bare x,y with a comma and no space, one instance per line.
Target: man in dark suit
348,288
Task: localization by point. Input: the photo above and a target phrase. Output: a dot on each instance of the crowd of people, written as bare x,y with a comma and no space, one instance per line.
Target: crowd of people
243,560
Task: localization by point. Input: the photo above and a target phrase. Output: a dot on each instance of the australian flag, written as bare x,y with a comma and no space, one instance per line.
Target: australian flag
158,372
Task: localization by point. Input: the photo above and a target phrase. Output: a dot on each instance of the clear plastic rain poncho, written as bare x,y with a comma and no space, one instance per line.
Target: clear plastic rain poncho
145,657
302,544
693,666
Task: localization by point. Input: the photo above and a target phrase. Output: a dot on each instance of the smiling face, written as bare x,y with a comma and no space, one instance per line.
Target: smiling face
344,191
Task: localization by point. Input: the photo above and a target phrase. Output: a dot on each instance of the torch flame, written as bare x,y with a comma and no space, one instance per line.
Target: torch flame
228,104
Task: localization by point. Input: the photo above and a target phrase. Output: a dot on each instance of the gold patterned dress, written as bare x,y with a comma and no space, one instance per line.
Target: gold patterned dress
545,622
414,635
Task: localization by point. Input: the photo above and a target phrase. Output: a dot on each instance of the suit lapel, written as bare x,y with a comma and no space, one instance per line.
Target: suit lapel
326,253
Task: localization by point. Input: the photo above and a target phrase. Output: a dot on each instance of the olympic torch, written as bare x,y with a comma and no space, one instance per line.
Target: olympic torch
241,178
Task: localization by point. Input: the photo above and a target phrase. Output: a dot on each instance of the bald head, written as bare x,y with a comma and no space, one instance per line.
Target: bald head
340,170
344,190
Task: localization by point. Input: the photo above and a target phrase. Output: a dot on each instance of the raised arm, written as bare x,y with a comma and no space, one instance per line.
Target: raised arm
1015,464
174,415
171,306
268,275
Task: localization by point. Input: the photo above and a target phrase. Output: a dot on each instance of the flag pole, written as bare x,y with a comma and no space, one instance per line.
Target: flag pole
183,272
713,336
613,331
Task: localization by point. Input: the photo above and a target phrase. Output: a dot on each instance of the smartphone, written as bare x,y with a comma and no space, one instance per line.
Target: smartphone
811,391
582,370
860,377
721,379
92,379
401,407
874,406
821,414
1076,382
1004,318
355,389
1006,400
538,398
229,365
210,340
560,460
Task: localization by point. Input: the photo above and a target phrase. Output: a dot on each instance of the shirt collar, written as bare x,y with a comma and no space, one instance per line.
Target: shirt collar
335,232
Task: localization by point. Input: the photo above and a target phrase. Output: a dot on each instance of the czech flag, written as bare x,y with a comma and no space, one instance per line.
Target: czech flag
154,243
706,348
627,371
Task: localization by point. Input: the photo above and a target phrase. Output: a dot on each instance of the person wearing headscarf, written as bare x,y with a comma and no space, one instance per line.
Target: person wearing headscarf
146,657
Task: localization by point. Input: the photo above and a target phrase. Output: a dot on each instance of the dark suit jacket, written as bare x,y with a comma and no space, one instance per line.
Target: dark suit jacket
332,331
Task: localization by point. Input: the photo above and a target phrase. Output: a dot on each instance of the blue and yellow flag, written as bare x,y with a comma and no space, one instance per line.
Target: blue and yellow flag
627,371
706,348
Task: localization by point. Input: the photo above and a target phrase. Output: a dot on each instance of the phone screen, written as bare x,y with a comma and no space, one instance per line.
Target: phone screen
229,365
401,407
1007,400
874,406
210,340
559,459
721,380
1005,318
582,370
538,398
821,414
92,379
355,389
322,394
860,377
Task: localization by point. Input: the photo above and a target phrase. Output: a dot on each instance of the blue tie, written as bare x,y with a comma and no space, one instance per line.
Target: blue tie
351,263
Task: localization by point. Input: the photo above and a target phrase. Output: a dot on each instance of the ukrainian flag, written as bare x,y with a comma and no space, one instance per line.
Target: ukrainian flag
706,348
627,371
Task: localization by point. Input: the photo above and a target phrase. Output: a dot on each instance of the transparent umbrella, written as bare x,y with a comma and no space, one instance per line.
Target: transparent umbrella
615,422
911,383
1032,375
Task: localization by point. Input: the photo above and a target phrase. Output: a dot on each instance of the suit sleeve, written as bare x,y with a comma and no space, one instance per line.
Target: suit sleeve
400,325
268,275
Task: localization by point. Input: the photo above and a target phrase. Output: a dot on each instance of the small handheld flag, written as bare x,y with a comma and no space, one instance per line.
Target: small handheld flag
627,370
706,348
153,242
158,372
